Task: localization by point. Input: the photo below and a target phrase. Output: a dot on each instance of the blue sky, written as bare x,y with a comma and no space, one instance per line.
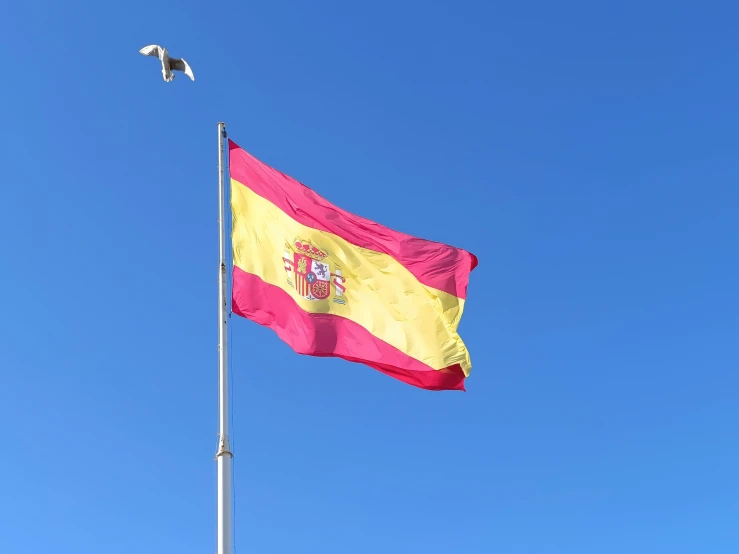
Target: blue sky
585,152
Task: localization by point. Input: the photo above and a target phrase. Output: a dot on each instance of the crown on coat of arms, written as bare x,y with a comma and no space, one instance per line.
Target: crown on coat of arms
309,250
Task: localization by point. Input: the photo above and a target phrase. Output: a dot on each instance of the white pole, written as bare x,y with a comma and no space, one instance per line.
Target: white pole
223,455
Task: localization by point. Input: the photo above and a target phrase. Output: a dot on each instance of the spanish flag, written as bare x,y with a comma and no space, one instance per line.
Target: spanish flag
331,283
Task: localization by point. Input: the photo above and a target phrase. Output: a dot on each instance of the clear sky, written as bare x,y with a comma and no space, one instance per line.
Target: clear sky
586,152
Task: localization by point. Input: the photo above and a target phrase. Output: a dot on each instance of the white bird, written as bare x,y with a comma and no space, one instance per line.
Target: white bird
168,64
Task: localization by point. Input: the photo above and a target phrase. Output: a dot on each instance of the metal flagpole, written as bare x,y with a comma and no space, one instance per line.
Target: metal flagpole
223,455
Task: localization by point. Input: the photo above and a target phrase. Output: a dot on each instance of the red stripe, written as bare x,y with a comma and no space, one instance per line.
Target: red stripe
332,335
434,264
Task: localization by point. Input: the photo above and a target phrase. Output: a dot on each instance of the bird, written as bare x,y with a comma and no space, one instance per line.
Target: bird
168,64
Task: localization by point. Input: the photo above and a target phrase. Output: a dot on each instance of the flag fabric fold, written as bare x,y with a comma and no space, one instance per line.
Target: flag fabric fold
331,283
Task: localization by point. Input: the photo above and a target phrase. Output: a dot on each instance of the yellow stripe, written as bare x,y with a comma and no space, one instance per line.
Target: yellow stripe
381,295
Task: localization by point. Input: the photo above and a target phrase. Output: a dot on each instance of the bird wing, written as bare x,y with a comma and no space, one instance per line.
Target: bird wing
181,65
151,50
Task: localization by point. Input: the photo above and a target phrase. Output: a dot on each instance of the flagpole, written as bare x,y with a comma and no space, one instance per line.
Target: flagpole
223,455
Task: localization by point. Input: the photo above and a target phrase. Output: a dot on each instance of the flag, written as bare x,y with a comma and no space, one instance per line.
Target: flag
331,283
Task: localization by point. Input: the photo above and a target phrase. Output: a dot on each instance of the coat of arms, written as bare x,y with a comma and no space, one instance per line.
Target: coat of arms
309,272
